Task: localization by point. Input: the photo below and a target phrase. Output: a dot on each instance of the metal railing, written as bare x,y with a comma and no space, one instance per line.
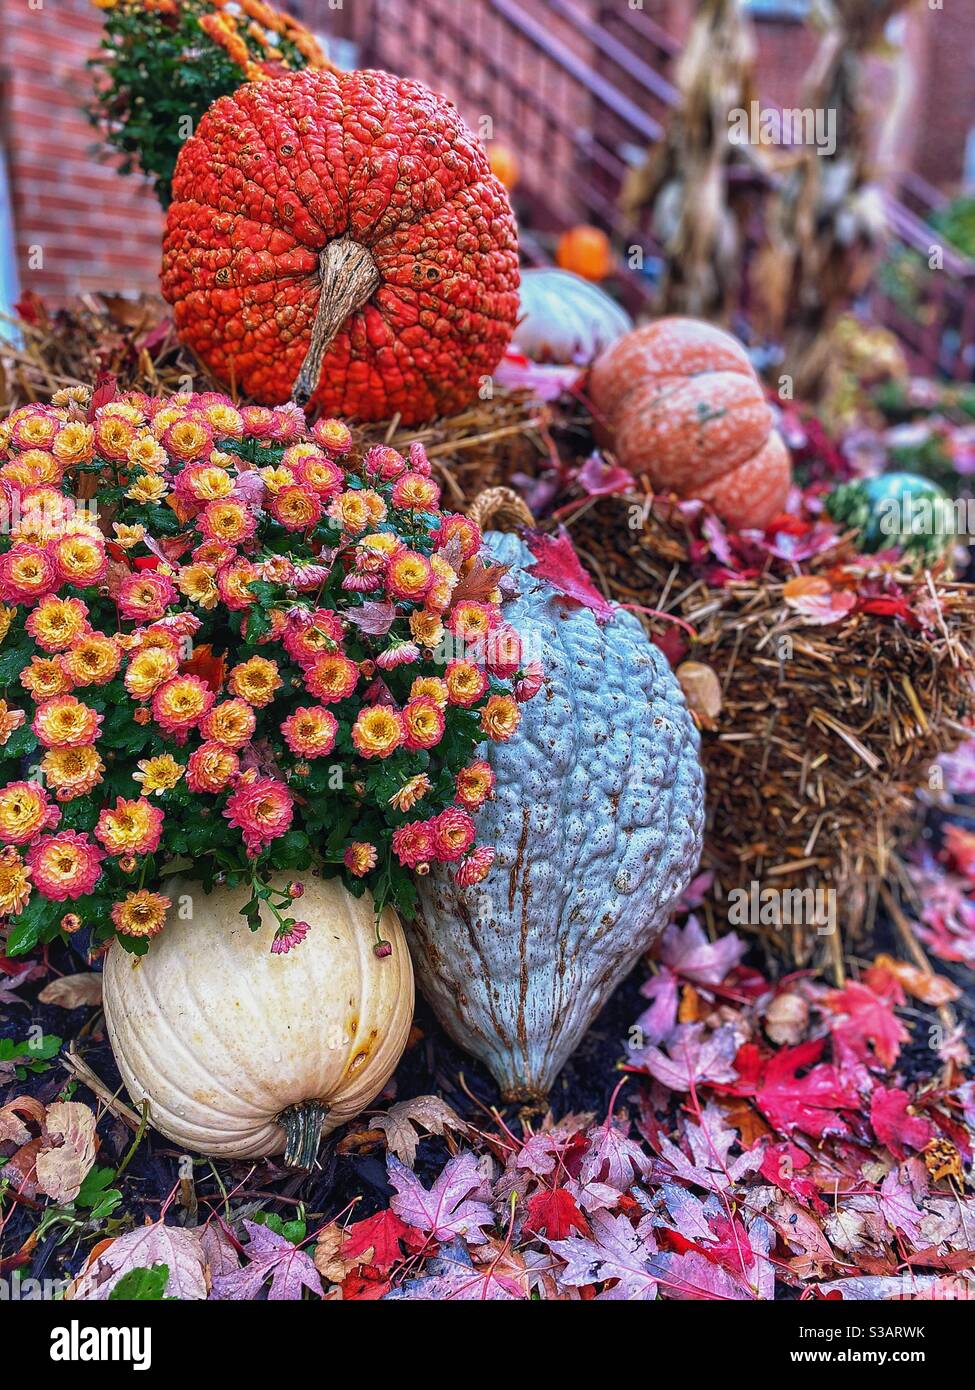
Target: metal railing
577,95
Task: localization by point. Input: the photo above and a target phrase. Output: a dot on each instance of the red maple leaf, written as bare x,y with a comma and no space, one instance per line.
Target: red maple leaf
106,389
893,1125
782,1165
558,564
553,1213
212,670
359,1288
867,1018
788,1101
890,606
377,1240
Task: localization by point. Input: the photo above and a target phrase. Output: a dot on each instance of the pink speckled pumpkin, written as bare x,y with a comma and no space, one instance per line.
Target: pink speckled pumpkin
686,408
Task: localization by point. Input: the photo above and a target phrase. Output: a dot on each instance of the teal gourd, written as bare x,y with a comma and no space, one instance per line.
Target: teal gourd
597,821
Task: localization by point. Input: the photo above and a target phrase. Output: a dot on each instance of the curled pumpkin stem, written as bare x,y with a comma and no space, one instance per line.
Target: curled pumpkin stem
303,1126
348,276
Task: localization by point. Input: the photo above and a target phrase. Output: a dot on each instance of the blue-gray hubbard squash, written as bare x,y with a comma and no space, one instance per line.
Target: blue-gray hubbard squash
597,820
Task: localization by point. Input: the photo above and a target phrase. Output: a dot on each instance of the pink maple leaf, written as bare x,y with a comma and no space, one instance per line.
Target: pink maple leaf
451,1207
267,1253
614,1252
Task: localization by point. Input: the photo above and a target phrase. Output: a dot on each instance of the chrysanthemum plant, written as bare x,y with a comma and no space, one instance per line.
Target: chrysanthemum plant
162,63
251,649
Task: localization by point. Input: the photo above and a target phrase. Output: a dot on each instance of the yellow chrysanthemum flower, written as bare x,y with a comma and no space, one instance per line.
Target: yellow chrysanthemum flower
159,774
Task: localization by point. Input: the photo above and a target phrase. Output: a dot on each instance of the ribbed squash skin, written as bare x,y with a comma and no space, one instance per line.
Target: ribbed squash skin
565,318
597,822
686,409
221,1035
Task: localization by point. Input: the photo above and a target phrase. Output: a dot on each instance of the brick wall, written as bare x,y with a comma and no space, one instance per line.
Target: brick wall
97,231
92,229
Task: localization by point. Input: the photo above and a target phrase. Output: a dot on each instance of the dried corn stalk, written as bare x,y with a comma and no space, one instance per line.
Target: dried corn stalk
685,179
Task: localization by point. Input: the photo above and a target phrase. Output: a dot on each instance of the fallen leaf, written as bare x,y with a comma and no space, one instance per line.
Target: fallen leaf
268,1254
614,1252
401,1122
811,1102
61,1166
378,1240
453,1205
557,563
73,991
867,1019
554,1213
813,597
894,1125
180,1250
923,984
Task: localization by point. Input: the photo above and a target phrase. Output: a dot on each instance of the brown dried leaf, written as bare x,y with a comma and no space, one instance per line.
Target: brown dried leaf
62,1166
73,991
426,1112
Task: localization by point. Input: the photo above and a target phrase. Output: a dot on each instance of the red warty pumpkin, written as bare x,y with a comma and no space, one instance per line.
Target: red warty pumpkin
341,239
687,409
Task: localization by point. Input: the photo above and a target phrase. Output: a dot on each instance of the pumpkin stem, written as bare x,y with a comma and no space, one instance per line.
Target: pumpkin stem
303,1126
348,277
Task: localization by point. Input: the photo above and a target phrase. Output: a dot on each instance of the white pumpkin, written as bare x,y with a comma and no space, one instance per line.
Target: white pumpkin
238,1050
566,319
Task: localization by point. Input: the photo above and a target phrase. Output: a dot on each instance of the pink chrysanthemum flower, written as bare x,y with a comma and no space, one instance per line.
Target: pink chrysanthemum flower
383,461
423,723
332,677
231,723
453,834
474,784
297,508
286,938
64,865
25,810
180,704
188,438
531,682
26,572
475,867
145,596
310,731
413,492
322,475
261,810
258,421
413,843
333,435
130,827
399,653
454,527
66,722
210,768
228,521
358,583
57,622
409,575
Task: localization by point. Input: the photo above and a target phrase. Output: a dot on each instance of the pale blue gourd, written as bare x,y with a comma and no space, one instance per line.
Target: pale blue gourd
597,822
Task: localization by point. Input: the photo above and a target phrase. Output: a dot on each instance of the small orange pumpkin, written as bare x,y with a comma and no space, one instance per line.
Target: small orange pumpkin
586,251
687,409
504,164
